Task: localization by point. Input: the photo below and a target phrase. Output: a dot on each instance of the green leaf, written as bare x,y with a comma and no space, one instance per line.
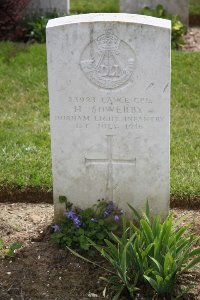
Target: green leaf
135,212
156,226
168,263
116,297
157,247
16,245
147,209
152,282
146,251
87,260
193,263
9,252
81,231
147,231
101,222
124,258
62,199
158,265
114,238
159,280
194,252
100,236
112,248
133,228
180,232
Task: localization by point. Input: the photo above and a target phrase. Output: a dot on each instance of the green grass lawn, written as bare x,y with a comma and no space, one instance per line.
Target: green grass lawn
93,6
194,7
88,6
185,122
24,134
25,139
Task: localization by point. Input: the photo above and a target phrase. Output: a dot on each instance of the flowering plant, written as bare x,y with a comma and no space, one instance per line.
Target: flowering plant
94,223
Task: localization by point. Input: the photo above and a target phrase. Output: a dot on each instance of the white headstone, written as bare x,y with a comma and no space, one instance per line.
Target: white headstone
109,90
174,7
48,6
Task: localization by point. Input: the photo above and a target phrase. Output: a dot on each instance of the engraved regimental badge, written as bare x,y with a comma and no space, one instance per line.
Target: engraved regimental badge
107,61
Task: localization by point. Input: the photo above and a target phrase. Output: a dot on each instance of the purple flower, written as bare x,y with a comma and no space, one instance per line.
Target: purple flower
109,209
106,213
74,217
121,211
70,214
110,206
55,227
93,220
116,218
77,222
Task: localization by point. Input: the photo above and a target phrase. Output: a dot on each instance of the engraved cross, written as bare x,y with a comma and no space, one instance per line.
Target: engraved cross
110,162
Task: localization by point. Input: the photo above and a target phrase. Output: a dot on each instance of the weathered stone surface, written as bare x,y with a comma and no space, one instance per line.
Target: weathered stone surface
176,7
109,91
46,6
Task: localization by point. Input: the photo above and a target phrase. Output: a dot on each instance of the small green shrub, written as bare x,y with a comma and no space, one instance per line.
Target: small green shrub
178,29
79,225
35,26
10,250
152,253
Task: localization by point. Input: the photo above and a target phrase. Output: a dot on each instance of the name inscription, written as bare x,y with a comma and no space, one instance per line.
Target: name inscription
110,113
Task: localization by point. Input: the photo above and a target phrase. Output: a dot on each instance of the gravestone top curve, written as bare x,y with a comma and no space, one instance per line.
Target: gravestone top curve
113,17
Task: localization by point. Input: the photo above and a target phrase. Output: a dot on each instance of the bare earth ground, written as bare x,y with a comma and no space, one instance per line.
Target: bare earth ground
192,39
42,271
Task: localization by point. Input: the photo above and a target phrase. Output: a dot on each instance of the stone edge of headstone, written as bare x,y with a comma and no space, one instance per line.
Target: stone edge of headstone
110,17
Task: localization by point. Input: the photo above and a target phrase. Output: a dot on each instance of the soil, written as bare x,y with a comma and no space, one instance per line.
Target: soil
192,39
40,270
194,20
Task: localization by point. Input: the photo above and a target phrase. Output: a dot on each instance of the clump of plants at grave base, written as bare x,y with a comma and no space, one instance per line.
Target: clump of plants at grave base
178,29
148,256
79,225
9,251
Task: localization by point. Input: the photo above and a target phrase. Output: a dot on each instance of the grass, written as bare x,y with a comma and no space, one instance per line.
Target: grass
24,135
185,120
194,7
25,139
91,6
